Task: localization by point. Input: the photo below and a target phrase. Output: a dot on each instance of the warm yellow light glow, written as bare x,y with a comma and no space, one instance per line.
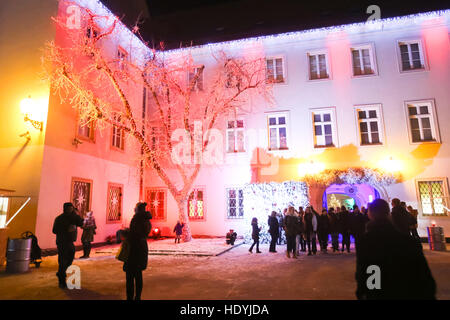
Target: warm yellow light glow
390,165
34,109
310,168
26,106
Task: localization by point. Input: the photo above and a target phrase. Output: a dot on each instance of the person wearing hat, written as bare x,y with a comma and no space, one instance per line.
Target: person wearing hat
87,237
65,228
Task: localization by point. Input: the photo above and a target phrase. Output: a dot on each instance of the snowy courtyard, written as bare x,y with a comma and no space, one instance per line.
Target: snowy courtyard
203,269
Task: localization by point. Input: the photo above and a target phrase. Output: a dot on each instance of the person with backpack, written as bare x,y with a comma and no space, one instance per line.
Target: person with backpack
137,256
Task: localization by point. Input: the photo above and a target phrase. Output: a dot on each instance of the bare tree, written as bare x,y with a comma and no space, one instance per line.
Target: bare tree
101,85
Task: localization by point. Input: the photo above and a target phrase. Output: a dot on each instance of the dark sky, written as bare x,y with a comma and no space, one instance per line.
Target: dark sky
182,23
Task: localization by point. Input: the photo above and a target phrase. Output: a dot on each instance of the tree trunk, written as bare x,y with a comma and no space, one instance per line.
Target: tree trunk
183,217
315,196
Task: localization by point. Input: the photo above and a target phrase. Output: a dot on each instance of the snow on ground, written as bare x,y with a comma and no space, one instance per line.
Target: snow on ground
235,274
196,247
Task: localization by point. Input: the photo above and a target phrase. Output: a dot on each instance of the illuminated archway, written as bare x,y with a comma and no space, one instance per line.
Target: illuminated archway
340,194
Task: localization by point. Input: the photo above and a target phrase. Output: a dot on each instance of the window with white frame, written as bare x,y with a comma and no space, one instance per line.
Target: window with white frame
235,136
324,128
421,121
433,196
363,60
369,124
275,70
117,134
278,126
411,55
196,204
318,65
195,78
235,203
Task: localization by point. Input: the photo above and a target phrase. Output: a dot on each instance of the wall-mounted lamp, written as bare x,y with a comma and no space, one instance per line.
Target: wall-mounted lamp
76,142
30,112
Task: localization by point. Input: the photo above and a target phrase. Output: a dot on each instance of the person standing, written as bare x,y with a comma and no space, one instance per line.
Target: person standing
87,236
401,219
403,270
291,229
344,226
140,227
413,226
65,228
301,236
273,231
323,230
310,223
333,229
359,225
178,229
255,235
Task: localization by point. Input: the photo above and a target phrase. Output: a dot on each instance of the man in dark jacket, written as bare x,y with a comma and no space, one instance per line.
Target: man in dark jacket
65,228
273,230
140,227
344,227
323,230
310,222
403,272
401,218
334,229
358,225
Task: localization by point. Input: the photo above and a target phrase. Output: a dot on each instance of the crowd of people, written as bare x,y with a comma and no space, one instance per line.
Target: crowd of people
306,229
385,239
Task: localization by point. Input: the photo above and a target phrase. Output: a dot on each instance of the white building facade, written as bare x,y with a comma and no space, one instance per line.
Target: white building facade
368,95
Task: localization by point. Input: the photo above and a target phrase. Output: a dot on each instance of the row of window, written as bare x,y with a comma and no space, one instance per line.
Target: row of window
363,59
432,195
81,197
410,54
421,121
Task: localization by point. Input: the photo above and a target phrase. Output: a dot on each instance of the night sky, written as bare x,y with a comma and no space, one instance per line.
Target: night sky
193,22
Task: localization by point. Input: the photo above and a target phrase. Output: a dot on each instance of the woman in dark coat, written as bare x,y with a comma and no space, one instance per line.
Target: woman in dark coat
255,235
273,230
138,250
87,237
